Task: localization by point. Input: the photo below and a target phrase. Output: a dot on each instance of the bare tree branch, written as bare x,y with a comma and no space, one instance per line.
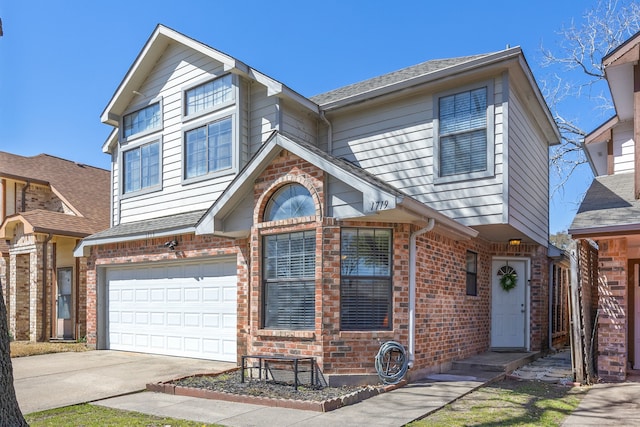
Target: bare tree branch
578,74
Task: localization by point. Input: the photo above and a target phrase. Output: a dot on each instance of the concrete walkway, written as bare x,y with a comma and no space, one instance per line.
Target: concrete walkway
394,408
608,404
61,379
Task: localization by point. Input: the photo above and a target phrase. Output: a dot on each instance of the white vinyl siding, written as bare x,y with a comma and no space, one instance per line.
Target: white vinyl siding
177,69
623,148
528,192
298,123
394,141
264,116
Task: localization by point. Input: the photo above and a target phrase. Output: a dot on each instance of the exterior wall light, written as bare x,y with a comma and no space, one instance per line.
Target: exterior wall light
515,242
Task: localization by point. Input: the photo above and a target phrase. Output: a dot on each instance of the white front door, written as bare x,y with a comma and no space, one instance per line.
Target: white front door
509,309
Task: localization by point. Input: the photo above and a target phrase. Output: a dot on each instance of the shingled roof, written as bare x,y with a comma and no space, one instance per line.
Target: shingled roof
85,189
389,79
609,202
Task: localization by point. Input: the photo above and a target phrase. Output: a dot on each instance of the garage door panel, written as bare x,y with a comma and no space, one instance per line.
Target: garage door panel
185,310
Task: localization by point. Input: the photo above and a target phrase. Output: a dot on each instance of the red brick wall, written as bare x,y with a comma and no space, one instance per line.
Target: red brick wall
190,246
450,325
613,306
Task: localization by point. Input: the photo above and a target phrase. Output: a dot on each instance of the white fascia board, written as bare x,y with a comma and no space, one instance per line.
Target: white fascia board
426,78
541,101
424,211
608,230
83,247
111,141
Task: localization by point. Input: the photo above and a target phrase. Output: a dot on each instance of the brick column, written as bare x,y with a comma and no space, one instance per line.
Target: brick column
613,306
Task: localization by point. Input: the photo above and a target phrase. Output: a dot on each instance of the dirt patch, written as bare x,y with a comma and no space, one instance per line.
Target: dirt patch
29,348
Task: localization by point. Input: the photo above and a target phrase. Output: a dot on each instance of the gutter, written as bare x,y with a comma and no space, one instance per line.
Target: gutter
412,287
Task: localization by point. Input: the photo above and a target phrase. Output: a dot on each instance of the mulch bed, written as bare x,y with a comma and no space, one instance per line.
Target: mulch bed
227,386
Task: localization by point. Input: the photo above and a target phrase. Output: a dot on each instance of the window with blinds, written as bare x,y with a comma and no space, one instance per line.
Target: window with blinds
365,285
463,132
289,280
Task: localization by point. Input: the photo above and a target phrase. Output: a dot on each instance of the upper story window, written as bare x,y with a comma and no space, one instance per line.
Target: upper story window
209,95
290,201
208,148
465,134
141,167
143,120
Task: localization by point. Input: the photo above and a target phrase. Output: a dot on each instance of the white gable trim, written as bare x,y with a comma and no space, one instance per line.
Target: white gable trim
212,221
154,48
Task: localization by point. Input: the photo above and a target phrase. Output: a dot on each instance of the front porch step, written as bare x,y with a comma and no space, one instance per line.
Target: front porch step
496,361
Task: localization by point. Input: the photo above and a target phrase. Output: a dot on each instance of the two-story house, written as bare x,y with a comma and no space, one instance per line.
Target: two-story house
610,215
249,219
47,205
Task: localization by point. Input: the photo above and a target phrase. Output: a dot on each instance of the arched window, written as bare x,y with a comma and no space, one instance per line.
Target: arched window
291,201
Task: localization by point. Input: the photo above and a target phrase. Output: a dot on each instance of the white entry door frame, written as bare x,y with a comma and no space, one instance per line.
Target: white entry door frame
510,310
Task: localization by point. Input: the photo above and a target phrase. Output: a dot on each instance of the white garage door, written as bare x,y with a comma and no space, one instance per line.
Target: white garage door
179,310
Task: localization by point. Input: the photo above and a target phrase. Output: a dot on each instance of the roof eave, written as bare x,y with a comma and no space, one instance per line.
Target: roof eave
608,230
83,247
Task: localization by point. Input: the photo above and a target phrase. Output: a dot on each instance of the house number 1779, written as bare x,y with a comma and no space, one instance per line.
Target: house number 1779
379,205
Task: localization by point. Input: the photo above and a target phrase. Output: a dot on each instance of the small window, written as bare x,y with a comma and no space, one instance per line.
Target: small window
463,133
365,283
472,273
143,120
289,262
208,148
290,201
141,167
209,95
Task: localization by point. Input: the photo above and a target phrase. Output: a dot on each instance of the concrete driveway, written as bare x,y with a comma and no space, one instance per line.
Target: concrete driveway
61,379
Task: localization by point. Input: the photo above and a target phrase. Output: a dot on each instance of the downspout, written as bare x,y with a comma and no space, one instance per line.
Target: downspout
412,287
329,133
44,285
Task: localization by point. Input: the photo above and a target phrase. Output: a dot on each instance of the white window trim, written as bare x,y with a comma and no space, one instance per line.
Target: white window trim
229,113
138,107
183,107
490,171
121,171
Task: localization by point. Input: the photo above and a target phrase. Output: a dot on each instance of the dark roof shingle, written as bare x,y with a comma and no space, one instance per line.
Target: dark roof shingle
85,188
390,79
609,201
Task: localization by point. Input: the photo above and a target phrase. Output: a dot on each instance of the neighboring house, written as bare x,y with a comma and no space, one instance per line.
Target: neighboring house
610,215
47,205
249,219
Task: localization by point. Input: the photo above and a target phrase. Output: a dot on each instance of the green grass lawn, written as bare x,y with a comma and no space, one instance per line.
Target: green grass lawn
98,416
505,403
509,403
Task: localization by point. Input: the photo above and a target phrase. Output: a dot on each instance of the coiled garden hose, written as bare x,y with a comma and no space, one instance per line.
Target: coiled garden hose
391,362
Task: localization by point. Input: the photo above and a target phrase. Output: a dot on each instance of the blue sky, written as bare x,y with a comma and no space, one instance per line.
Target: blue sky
61,61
